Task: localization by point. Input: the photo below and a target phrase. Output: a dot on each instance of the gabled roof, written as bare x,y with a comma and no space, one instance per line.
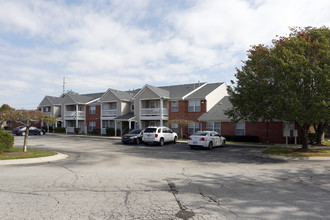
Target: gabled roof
217,112
52,100
203,91
158,91
174,91
179,91
85,98
121,95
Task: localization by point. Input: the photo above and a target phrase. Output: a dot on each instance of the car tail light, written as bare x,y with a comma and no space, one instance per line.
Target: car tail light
189,138
202,139
156,135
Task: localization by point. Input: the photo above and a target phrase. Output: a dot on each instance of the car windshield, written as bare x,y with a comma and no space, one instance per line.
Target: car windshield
135,132
150,130
200,133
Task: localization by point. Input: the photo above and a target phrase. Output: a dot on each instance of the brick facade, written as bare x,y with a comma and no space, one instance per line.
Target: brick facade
93,117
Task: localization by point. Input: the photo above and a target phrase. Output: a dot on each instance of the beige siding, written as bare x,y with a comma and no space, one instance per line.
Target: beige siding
125,106
57,111
215,96
109,96
145,94
45,102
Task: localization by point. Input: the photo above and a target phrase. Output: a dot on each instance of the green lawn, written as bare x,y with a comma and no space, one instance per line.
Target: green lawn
16,153
290,152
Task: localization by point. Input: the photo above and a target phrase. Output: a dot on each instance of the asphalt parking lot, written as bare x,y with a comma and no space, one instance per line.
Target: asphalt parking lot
103,179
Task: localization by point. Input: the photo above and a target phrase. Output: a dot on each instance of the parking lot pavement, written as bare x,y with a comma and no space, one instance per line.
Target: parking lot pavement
103,179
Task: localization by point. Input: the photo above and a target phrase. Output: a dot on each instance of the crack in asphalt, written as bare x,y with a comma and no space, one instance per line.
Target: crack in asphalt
183,213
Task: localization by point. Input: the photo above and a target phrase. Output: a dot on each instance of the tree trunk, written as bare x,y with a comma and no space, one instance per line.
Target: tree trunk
304,136
26,139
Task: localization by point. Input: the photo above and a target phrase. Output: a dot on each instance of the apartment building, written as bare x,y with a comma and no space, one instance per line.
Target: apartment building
202,103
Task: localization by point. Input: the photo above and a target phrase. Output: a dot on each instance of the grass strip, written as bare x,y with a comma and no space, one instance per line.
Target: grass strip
16,153
290,152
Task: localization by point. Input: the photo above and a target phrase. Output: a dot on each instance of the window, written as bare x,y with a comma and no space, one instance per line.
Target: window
175,106
192,128
92,125
240,128
132,107
152,104
213,126
175,127
194,106
92,110
106,106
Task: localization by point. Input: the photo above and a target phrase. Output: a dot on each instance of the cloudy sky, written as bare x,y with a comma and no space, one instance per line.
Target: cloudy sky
125,44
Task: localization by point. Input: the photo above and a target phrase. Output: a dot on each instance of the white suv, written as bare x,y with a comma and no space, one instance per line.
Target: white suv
159,135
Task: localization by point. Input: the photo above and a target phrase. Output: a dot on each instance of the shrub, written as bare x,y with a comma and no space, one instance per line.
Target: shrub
76,130
245,138
110,131
311,138
228,137
96,131
59,130
6,141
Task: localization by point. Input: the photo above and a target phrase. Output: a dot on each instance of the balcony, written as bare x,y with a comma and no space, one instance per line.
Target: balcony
72,115
154,114
109,113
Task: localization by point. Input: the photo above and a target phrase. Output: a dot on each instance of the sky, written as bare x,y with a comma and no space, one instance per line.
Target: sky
125,44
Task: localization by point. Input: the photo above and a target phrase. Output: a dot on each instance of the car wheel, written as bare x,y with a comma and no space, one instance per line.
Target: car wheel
137,141
223,143
23,133
192,147
175,139
210,145
161,142
41,133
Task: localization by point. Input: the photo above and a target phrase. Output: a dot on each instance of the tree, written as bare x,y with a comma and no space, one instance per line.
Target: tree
181,123
288,81
4,107
27,118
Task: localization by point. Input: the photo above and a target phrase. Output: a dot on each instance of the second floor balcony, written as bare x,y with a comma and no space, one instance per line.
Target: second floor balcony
74,115
154,113
111,113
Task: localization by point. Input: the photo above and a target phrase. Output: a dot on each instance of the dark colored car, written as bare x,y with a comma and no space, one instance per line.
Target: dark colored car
21,130
134,136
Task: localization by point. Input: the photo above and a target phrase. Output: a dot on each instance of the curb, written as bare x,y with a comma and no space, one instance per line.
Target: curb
55,157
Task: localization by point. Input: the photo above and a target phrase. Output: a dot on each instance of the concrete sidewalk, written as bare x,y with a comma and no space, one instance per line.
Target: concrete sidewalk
58,156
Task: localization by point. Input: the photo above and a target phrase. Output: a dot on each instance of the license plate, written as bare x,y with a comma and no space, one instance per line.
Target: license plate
194,142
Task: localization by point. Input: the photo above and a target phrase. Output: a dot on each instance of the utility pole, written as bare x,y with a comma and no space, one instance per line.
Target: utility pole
63,85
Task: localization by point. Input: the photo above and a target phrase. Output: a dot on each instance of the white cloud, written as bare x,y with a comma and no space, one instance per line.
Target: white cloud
126,44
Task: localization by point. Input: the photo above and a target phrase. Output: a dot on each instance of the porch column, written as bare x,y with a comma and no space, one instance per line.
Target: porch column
161,112
115,128
129,124
77,116
139,116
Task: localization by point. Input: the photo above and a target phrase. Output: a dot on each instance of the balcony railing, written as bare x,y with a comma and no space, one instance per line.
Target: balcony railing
73,115
109,113
153,112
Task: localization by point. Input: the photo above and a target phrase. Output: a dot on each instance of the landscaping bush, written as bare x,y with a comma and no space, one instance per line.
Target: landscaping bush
6,141
110,131
96,131
59,130
228,137
245,138
46,129
311,138
76,130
